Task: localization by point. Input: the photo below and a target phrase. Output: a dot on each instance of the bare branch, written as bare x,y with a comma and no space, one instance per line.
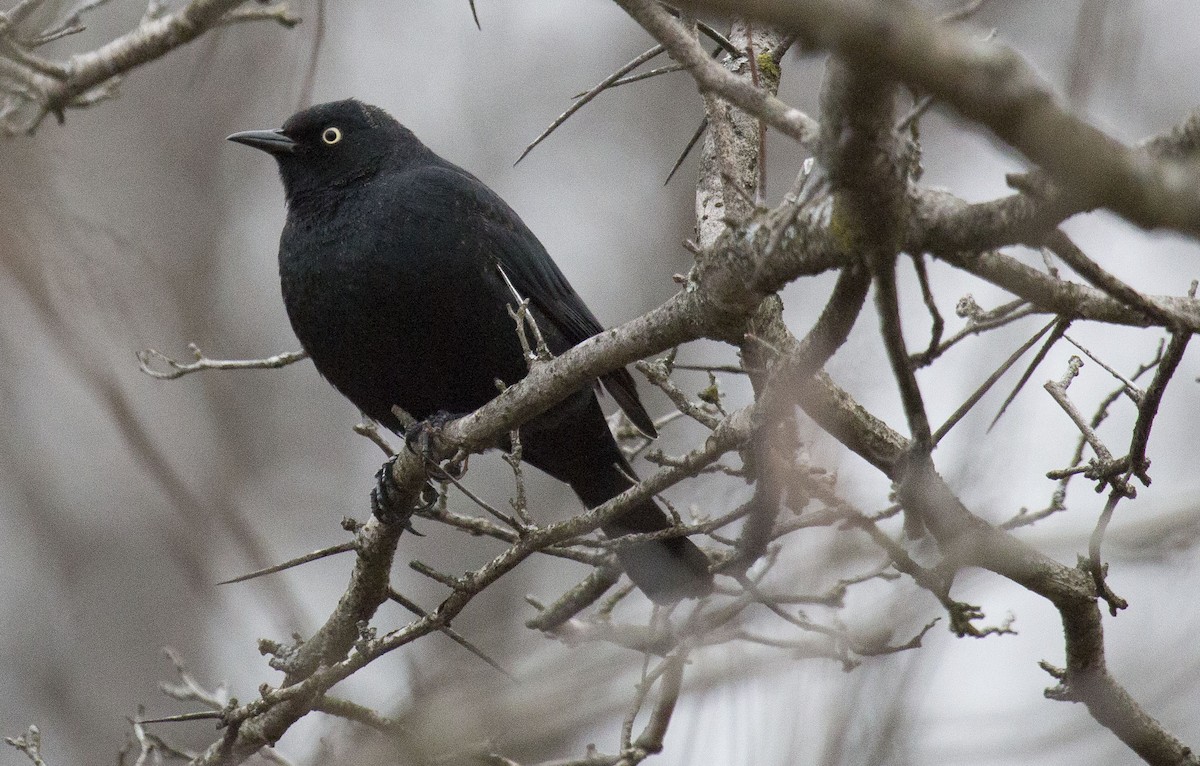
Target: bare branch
89,77
352,711
712,77
148,358
658,373
1148,407
994,86
1062,246
29,743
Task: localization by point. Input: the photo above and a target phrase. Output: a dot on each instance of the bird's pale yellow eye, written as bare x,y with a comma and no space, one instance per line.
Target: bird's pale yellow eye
331,136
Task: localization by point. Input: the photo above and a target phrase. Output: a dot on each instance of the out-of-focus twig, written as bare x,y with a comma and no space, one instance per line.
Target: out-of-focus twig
36,87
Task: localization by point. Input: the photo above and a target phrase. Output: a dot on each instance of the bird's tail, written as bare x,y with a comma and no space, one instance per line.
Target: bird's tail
573,443
666,570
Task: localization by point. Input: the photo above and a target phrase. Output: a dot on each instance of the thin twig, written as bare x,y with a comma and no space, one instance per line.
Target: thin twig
1095,567
658,374
586,98
179,369
450,632
977,324
986,386
1148,406
938,324
332,550
668,69
1106,469
688,149
1060,329
1133,392
500,516
352,711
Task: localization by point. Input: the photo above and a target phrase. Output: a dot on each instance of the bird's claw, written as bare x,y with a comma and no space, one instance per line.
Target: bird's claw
425,440
386,504
422,438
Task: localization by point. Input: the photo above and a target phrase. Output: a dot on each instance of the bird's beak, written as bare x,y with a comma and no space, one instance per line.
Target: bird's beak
270,141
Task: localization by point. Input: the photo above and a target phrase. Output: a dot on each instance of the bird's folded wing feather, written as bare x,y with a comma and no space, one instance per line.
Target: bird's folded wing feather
532,272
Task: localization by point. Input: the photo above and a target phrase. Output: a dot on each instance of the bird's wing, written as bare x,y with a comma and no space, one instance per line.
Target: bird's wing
528,268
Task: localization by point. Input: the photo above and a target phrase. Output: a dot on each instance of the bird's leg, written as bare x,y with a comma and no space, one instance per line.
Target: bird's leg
386,503
422,438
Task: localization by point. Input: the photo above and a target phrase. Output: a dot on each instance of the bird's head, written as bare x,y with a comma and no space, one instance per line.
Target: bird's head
331,145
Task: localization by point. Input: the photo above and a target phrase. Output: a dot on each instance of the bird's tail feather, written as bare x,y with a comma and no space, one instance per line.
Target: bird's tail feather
666,570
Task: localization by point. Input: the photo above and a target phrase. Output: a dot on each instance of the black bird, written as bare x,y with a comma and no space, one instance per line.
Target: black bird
398,268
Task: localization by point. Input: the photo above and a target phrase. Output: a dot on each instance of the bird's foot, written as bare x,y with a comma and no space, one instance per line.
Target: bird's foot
425,439
387,504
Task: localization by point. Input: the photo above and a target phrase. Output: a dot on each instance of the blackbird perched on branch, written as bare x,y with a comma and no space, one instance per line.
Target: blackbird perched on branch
398,269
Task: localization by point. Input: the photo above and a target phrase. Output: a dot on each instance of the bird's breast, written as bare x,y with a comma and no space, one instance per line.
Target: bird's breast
393,312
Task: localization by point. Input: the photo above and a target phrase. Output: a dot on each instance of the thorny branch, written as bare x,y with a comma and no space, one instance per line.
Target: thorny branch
920,488
993,86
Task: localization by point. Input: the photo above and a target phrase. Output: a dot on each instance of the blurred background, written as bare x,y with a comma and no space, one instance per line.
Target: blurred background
124,499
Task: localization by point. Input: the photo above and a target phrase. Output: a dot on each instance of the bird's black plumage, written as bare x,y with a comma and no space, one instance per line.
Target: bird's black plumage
396,268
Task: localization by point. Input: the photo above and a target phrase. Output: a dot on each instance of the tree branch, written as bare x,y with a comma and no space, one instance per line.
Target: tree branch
91,76
993,86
